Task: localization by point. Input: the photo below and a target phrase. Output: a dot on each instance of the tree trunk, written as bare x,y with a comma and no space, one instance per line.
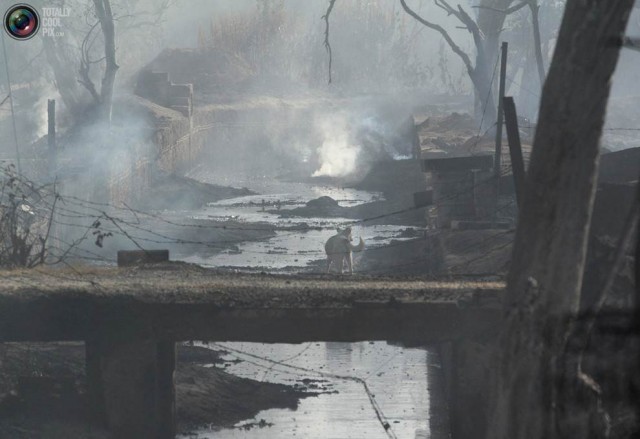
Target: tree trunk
484,101
528,101
105,16
490,21
486,31
537,43
65,78
532,400
491,18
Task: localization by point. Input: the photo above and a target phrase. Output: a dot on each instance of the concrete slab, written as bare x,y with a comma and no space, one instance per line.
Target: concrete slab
185,302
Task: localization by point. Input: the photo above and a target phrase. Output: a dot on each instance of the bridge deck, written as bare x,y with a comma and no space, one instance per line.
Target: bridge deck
131,318
182,302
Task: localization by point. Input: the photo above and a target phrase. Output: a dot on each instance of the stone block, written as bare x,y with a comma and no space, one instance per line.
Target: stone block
128,258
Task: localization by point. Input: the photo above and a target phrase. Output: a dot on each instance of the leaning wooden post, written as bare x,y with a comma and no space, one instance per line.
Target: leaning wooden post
498,156
515,147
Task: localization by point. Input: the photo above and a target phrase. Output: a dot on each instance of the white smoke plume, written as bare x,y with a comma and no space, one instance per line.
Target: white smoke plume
338,154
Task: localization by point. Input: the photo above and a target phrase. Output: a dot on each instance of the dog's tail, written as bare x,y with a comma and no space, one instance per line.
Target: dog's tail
359,247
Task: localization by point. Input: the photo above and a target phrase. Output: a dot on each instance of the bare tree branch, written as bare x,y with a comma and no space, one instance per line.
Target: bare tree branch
105,17
443,7
327,44
85,65
456,49
508,11
40,258
535,22
478,37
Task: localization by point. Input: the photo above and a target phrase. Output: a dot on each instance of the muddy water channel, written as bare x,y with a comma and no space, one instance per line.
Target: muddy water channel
399,380
401,384
287,249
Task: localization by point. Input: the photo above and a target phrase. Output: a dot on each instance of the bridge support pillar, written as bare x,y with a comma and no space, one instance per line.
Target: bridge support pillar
166,393
466,367
131,385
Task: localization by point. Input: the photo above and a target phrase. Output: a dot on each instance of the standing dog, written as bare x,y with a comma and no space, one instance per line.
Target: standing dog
339,249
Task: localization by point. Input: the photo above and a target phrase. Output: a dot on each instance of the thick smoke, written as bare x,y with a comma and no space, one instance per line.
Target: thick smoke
338,153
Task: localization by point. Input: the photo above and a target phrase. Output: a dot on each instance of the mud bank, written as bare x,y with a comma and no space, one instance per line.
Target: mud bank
175,192
397,180
43,392
374,213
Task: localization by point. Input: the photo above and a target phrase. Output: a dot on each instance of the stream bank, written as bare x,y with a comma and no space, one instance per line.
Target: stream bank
43,392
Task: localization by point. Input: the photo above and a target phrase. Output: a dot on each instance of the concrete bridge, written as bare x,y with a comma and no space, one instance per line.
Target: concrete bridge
130,320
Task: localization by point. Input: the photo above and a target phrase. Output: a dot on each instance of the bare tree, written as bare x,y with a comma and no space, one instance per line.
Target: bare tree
486,31
534,7
94,54
104,99
539,392
60,58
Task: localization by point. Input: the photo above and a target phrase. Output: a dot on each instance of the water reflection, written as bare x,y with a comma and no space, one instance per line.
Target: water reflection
398,379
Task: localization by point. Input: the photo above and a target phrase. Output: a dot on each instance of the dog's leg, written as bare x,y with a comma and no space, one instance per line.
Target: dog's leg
349,258
329,261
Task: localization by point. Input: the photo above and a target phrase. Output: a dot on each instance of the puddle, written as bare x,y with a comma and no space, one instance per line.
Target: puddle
398,378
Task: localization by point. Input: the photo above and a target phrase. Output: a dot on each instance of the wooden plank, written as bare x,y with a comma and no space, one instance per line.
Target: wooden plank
515,147
456,164
423,199
127,258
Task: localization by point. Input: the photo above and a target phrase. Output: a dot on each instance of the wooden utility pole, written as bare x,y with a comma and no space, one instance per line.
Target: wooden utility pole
515,147
13,113
498,156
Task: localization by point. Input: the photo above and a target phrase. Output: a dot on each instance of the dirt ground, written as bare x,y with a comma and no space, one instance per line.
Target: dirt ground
43,392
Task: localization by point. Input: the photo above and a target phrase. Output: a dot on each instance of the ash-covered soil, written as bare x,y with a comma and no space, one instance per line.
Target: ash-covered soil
43,392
